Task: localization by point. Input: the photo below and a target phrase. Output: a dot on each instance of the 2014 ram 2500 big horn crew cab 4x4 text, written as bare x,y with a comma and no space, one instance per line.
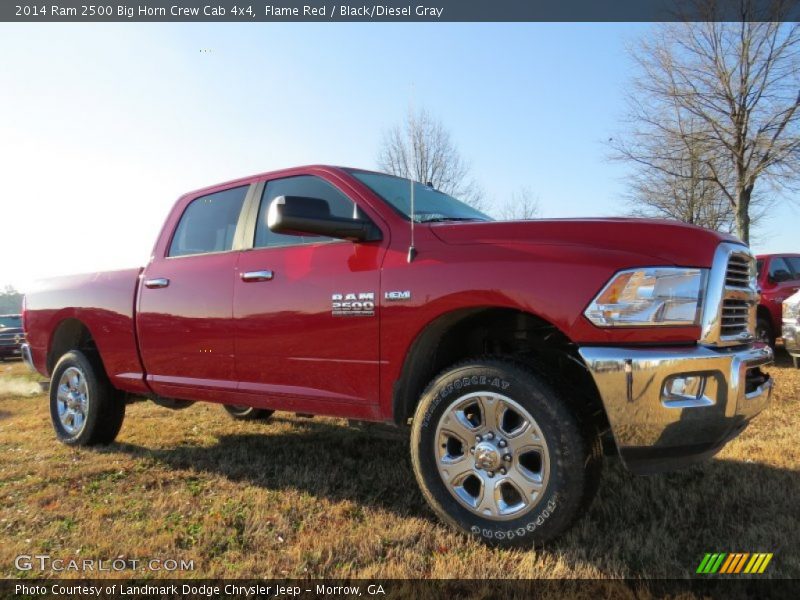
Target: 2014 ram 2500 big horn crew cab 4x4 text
512,349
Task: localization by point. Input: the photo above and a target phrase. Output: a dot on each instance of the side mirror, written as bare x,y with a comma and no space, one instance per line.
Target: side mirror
298,215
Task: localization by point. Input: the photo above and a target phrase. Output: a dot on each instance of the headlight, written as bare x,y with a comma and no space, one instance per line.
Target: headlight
650,296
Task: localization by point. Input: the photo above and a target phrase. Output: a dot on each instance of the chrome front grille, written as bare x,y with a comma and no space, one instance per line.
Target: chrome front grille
729,314
740,271
735,317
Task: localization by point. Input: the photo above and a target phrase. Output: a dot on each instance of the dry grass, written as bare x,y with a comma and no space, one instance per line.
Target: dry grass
298,498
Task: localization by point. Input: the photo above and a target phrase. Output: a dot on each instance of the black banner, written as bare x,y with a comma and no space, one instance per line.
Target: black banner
401,10
265,589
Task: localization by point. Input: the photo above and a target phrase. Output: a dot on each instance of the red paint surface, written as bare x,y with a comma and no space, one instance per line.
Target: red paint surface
211,336
773,294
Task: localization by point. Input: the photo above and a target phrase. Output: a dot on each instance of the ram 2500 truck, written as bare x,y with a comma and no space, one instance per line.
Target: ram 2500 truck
777,277
513,352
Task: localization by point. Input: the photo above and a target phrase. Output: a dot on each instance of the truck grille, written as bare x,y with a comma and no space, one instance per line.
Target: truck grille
729,314
740,271
735,317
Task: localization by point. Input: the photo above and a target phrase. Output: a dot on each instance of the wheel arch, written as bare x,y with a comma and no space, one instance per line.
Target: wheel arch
70,334
762,312
497,331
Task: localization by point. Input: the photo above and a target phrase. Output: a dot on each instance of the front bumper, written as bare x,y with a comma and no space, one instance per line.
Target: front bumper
10,351
671,407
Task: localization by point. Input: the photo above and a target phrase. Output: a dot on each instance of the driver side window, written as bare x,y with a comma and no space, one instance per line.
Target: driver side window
308,186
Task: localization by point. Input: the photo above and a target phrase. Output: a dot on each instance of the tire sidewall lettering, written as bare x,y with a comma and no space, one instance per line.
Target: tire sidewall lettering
460,384
519,531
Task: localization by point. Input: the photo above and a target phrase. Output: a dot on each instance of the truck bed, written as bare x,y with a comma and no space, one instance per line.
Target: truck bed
104,302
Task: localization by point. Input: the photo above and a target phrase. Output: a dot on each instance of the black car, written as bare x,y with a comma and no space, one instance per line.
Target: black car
11,336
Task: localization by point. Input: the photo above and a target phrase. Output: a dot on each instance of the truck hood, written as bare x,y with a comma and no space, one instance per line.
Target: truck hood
670,242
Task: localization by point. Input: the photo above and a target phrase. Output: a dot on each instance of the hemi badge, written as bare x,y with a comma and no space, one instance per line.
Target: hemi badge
406,295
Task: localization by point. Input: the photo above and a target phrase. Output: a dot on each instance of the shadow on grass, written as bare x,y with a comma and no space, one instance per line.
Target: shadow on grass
326,460
783,359
638,526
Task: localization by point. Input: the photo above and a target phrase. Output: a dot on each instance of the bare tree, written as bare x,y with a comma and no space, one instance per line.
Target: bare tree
523,205
420,148
730,89
680,186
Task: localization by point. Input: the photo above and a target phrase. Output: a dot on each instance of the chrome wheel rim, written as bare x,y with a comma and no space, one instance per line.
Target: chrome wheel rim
72,399
492,456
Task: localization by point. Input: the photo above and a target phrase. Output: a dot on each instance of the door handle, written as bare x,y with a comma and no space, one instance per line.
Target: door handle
159,282
249,276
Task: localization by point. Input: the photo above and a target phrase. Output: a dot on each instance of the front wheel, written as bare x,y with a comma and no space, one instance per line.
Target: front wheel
499,455
84,408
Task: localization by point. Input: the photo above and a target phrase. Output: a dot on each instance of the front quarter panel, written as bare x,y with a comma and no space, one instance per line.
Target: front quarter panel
555,283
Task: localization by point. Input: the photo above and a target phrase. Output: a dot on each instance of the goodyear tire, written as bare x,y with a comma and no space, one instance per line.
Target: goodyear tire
248,413
498,454
84,408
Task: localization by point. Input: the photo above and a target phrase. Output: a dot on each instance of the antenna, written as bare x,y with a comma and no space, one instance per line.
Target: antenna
412,251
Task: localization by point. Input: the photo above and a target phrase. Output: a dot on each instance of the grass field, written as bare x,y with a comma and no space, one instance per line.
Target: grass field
298,498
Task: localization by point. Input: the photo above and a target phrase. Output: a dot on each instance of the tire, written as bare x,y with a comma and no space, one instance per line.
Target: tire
554,465
764,331
79,385
248,413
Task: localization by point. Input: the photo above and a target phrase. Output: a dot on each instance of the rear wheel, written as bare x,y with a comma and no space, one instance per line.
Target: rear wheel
248,413
84,408
498,454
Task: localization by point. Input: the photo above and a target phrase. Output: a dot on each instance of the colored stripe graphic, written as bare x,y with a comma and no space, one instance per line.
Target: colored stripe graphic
729,567
711,563
754,563
734,563
764,564
703,563
715,567
741,562
727,564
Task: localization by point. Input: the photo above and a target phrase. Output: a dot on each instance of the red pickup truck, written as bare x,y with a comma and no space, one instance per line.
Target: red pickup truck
778,278
513,352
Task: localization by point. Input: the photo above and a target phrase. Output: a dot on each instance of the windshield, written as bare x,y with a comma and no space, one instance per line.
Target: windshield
8,322
430,205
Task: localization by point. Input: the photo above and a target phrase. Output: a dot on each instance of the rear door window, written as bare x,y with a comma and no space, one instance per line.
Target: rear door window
209,223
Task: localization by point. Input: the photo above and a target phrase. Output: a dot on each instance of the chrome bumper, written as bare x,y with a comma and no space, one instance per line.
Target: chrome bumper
670,407
25,351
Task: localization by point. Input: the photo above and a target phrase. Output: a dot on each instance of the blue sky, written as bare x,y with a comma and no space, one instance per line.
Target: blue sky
103,126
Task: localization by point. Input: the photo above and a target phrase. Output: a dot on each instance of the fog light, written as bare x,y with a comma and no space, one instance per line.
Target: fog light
682,391
685,386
